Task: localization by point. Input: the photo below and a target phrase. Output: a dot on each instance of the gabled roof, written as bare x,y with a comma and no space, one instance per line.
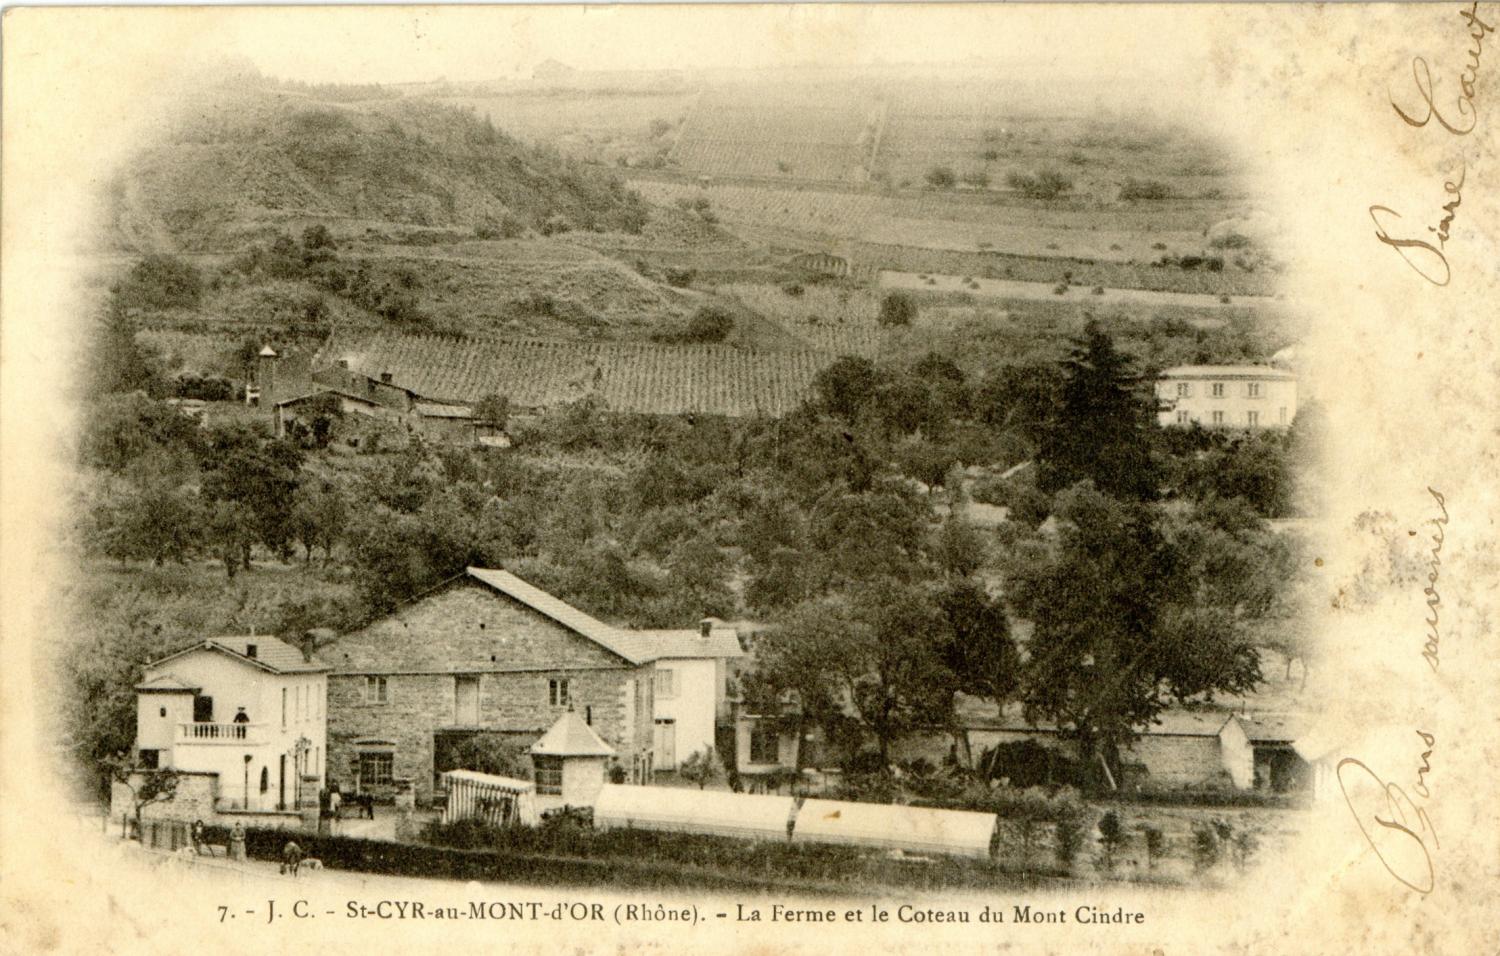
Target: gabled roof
686,644
167,684
571,737
341,393
277,657
1273,728
610,638
1227,371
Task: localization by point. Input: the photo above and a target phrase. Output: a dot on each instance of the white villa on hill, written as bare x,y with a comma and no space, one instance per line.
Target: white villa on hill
248,710
1226,396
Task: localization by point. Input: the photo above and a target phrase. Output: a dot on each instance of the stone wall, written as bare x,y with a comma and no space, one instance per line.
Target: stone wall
195,799
1177,762
467,626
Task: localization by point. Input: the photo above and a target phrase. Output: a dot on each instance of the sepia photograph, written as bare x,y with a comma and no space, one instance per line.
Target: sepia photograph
682,472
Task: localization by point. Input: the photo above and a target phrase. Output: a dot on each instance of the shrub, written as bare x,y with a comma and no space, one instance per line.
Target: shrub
1244,846
1069,840
1207,847
1111,838
1144,189
1047,184
897,308
680,278
941,177
161,282
1155,844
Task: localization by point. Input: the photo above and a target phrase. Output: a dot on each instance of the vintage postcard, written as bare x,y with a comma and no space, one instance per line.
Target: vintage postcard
750,478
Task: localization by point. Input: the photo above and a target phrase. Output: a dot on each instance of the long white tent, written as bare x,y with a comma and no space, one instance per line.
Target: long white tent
679,809
917,829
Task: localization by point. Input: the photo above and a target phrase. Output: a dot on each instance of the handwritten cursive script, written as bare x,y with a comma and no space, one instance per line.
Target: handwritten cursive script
1427,256
1434,600
1399,838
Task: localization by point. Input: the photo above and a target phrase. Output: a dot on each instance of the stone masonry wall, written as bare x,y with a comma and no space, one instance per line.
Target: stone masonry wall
467,626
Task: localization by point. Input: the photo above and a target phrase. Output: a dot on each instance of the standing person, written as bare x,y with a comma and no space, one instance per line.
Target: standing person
196,834
335,800
240,717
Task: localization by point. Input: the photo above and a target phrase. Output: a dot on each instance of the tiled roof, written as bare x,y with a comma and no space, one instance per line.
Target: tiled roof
273,655
571,737
1227,371
637,647
1273,728
632,377
657,645
168,683
326,391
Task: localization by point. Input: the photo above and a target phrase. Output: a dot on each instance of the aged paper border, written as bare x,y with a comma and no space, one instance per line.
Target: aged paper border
1407,370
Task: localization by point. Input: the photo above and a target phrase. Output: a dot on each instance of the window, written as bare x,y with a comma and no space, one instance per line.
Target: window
150,759
1183,418
375,767
164,712
548,770
666,683
265,779
1252,419
1184,390
376,691
283,707
1217,390
557,692
1252,390
763,747
1218,418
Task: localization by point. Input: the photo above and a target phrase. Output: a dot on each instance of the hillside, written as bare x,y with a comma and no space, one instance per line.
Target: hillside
239,164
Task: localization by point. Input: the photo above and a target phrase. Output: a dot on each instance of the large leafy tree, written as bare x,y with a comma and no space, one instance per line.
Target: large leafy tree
258,476
872,655
1102,429
980,649
1119,636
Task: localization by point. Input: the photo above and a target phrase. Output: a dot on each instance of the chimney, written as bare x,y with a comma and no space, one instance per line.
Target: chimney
252,650
385,378
307,642
705,627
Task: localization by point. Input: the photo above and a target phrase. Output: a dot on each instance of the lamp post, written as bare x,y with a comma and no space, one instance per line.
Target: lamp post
248,758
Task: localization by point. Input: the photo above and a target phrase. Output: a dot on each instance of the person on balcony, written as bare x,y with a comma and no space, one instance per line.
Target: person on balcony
240,717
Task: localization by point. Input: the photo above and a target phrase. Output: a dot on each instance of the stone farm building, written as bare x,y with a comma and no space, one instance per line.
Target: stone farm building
487,653
1179,750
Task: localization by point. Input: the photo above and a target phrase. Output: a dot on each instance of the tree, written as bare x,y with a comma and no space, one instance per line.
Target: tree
118,363
159,281
229,528
897,308
492,411
1118,637
845,387
1104,426
491,753
980,651
259,474
870,656
959,548
128,428
156,519
319,517
146,786
702,768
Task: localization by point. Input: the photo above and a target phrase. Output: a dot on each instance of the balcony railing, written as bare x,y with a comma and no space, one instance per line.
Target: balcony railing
207,733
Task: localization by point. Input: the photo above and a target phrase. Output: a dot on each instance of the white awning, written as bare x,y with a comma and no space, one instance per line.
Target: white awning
917,829
693,811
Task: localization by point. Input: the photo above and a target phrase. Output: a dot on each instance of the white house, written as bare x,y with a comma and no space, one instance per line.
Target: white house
1226,396
691,687
251,710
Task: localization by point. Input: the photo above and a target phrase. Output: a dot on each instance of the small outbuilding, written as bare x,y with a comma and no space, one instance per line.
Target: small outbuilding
680,810
913,829
568,762
500,801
